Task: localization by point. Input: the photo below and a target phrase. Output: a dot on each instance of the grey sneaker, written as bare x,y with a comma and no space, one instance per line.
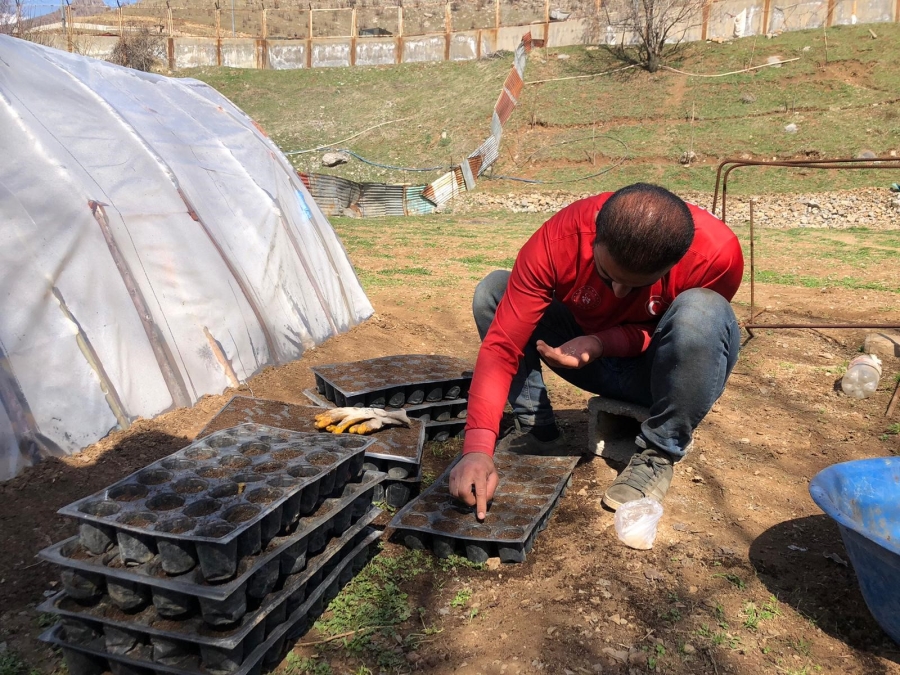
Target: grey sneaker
648,474
523,442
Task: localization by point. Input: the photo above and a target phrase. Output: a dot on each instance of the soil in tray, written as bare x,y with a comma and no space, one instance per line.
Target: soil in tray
395,441
448,526
254,449
321,458
510,533
395,371
415,520
128,493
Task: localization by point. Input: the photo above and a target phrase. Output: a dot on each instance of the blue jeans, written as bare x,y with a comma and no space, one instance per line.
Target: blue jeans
679,377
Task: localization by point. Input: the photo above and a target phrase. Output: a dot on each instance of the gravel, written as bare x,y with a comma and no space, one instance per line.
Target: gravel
873,208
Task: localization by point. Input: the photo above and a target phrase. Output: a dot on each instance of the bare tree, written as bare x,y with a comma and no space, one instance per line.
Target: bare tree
138,48
7,17
644,31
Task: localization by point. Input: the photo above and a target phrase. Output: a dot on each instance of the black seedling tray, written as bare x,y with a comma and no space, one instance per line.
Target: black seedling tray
444,431
394,381
399,487
243,483
396,443
92,659
147,624
85,576
529,489
442,411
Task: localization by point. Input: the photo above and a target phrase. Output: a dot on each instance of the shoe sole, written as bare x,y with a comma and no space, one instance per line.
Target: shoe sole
614,504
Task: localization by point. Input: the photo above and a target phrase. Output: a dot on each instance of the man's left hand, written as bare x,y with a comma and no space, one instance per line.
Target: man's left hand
575,353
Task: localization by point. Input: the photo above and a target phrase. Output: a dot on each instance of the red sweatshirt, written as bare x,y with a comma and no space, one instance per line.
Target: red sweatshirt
558,261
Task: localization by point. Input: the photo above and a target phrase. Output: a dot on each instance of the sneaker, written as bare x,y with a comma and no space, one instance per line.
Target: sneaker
523,442
648,474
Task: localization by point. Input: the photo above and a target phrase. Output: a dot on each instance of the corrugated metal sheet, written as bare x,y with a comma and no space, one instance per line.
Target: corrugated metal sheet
339,196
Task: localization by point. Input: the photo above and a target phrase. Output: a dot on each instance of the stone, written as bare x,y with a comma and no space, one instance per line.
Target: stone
748,98
883,344
612,427
687,157
866,154
790,128
774,61
688,648
335,158
493,564
619,655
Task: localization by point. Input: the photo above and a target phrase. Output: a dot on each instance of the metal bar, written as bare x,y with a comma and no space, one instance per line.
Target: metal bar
722,173
893,401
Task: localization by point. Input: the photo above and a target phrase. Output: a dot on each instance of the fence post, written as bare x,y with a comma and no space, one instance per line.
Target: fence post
70,41
218,35
829,17
767,7
309,37
704,26
497,15
399,56
546,25
121,21
354,32
265,28
448,29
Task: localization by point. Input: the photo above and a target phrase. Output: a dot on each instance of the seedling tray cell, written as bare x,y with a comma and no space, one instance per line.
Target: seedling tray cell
235,489
93,659
147,625
529,489
394,381
444,431
397,444
399,487
135,584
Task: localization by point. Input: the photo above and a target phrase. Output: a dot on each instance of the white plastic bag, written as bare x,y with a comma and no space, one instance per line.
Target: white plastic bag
636,522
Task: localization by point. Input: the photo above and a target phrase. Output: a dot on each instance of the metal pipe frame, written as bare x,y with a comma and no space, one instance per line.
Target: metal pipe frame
722,173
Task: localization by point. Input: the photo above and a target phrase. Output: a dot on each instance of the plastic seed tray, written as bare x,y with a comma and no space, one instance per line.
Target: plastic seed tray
442,411
444,431
399,487
396,444
530,488
147,627
216,498
394,381
91,657
86,577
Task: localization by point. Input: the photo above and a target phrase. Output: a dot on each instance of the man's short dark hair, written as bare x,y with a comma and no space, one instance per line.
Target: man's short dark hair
645,228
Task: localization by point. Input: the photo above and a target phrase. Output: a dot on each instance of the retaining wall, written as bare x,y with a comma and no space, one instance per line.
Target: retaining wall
723,19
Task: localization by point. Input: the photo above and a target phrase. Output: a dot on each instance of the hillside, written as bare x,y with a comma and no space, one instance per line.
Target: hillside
842,103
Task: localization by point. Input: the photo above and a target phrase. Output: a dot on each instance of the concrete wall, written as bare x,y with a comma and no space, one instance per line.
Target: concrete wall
236,52
331,53
376,52
287,54
195,53
425,48
726,19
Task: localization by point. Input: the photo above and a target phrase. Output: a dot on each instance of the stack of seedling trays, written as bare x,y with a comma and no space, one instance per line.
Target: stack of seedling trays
209,560
395,451
432,388
429,388
529,490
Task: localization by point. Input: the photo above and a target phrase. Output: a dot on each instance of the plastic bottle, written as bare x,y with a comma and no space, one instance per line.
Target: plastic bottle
636,522
861,378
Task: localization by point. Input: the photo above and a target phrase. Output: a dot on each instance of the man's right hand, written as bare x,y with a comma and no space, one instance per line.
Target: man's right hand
474,480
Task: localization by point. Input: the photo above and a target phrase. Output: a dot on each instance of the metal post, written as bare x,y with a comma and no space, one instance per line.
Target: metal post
752,267
232,19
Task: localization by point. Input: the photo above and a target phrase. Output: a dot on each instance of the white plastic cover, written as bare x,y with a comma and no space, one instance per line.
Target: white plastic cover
155,246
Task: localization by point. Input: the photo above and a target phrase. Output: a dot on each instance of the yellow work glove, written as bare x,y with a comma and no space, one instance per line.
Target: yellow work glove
359,420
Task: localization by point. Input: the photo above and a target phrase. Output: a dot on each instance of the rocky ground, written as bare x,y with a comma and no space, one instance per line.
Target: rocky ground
875,208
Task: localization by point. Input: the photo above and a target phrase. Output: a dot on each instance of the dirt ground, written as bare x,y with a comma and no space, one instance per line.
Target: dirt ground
739,527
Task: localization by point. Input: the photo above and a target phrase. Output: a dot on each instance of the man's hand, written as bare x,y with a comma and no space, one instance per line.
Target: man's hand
473,481
575,353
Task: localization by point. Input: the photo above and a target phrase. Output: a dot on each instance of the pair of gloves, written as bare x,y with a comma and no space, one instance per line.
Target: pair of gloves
359,420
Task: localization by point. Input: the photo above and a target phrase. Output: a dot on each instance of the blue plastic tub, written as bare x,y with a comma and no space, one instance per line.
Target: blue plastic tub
864,498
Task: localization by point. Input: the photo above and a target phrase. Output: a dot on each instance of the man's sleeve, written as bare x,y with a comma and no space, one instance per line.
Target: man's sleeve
528,293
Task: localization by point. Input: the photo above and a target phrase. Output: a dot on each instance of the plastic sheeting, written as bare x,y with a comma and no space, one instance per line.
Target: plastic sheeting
155,246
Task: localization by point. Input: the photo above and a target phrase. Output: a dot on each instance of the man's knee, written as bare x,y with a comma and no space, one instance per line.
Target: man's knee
488,294
699,316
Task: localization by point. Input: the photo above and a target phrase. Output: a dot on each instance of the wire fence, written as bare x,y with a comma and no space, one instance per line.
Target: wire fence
281,19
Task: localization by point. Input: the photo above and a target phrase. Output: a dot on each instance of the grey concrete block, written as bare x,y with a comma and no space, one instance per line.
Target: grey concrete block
883,344
612,427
